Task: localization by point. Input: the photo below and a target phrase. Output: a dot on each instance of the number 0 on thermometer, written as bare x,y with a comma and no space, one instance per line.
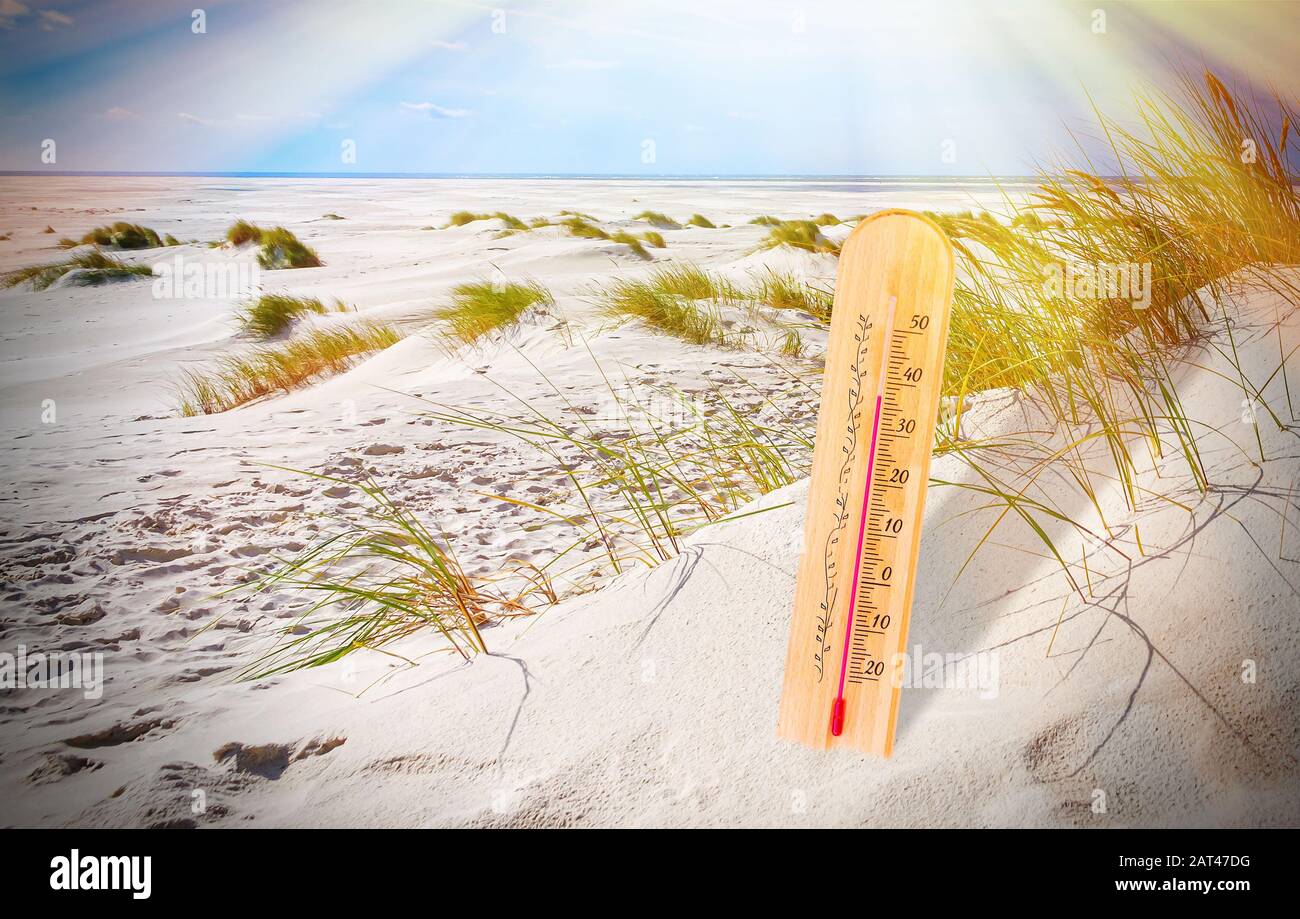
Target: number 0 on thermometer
875,431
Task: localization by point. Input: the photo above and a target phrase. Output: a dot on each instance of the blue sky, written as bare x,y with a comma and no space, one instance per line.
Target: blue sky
926,87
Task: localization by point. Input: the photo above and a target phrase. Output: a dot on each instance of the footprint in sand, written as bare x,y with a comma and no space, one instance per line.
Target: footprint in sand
272,759
119,733
147,554
61,765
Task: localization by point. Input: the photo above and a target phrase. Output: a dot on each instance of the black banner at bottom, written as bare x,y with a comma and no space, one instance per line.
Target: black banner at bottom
333,868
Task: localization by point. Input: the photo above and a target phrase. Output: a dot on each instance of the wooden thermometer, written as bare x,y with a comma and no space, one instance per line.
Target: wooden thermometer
875,430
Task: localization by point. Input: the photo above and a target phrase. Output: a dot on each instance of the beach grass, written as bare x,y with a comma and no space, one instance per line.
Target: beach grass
686,279
241,232
278,368
695,323
1186,214
479,308
678,299
463,218
123,235
699,220
785,291
682,299
792,344
798,234
632,242
378,574
94,268
658,219
583,228
658,465
273,314
281,249
654,239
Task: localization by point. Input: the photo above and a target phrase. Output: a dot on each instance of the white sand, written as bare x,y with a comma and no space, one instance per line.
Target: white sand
653,700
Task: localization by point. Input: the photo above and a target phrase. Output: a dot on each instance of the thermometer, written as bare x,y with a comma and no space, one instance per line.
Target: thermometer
866,498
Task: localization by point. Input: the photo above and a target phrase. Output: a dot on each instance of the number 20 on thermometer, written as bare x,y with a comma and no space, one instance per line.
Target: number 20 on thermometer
871,463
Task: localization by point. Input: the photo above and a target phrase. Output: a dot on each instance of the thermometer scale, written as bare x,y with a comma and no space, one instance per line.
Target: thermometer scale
866,498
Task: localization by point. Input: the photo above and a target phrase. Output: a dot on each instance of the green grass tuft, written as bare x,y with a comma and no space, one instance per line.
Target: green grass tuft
376,576
585,229
792,343
662,221
242,232
659,467
679,300
463,218
241,378
784,291
685,279
481,307
281,249
123,236
627,239
699,220
799,234
272,314
95,267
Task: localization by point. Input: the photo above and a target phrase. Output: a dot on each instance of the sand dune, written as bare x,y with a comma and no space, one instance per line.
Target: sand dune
651,701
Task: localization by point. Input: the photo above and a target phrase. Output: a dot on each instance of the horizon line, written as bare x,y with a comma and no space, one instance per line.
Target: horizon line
277,174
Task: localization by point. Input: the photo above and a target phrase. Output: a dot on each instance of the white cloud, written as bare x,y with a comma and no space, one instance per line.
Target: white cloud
10,10
193,119
49,20
52,19
241,116
117,113
434,110
448,45
582,63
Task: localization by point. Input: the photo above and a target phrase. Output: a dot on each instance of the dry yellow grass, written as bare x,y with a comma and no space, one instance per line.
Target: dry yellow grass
241,378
